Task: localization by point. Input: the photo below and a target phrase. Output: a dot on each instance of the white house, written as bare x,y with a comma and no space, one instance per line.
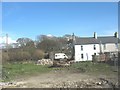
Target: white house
85,47
109,43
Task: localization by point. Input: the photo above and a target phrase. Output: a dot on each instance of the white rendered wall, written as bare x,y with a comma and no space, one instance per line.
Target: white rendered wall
88,51
110,47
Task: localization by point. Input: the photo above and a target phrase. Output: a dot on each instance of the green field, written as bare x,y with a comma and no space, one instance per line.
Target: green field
18,70
92,68
15,70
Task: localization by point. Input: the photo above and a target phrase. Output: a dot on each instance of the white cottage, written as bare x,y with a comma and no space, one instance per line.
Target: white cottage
109,43
85,47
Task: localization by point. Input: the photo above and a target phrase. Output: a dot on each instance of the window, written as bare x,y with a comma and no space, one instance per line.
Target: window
94,47
81,48
82,56
55,55
94,53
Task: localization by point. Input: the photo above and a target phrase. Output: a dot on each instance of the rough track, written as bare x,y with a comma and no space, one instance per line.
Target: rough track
63,79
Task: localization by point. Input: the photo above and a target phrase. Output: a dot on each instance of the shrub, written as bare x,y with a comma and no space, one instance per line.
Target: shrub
19,55
5,57
38,54
26,55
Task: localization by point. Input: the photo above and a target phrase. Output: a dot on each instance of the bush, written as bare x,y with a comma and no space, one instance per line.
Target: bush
26,55
13,56
19,55
38,54
5,57
22,54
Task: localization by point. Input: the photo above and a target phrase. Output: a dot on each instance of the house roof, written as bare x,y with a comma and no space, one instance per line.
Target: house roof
108,39
92,40
86,40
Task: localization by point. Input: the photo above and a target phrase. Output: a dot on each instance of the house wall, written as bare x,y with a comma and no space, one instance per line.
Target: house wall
88,51
110,47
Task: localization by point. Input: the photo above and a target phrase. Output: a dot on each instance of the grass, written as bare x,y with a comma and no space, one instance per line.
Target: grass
92,68
14,70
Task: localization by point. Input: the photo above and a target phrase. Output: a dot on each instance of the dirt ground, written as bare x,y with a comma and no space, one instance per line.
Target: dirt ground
63,79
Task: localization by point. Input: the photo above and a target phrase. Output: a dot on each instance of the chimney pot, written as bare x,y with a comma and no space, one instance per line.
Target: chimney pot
95,35
116,34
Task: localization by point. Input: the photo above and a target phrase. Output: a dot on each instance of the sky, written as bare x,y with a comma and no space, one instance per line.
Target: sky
30,19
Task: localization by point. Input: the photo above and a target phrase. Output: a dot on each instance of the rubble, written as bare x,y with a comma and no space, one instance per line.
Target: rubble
12,84
45,62
87,83
83,84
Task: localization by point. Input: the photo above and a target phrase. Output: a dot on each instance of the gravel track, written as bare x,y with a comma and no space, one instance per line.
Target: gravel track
63,79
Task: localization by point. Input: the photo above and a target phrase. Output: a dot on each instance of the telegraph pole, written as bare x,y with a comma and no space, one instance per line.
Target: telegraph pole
7,42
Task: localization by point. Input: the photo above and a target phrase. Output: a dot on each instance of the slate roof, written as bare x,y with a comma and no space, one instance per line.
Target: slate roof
108,39
92,40
86,40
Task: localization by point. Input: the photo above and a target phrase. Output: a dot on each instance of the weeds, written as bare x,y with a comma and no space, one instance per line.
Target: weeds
15,70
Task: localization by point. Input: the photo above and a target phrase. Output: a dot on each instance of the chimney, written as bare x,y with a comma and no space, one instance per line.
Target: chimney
95,35
116,34
73,37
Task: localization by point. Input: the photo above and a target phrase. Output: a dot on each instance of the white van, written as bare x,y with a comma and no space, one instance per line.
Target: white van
59,56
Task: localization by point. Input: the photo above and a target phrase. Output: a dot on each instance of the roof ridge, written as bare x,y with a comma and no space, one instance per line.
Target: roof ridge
97,37
106,36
